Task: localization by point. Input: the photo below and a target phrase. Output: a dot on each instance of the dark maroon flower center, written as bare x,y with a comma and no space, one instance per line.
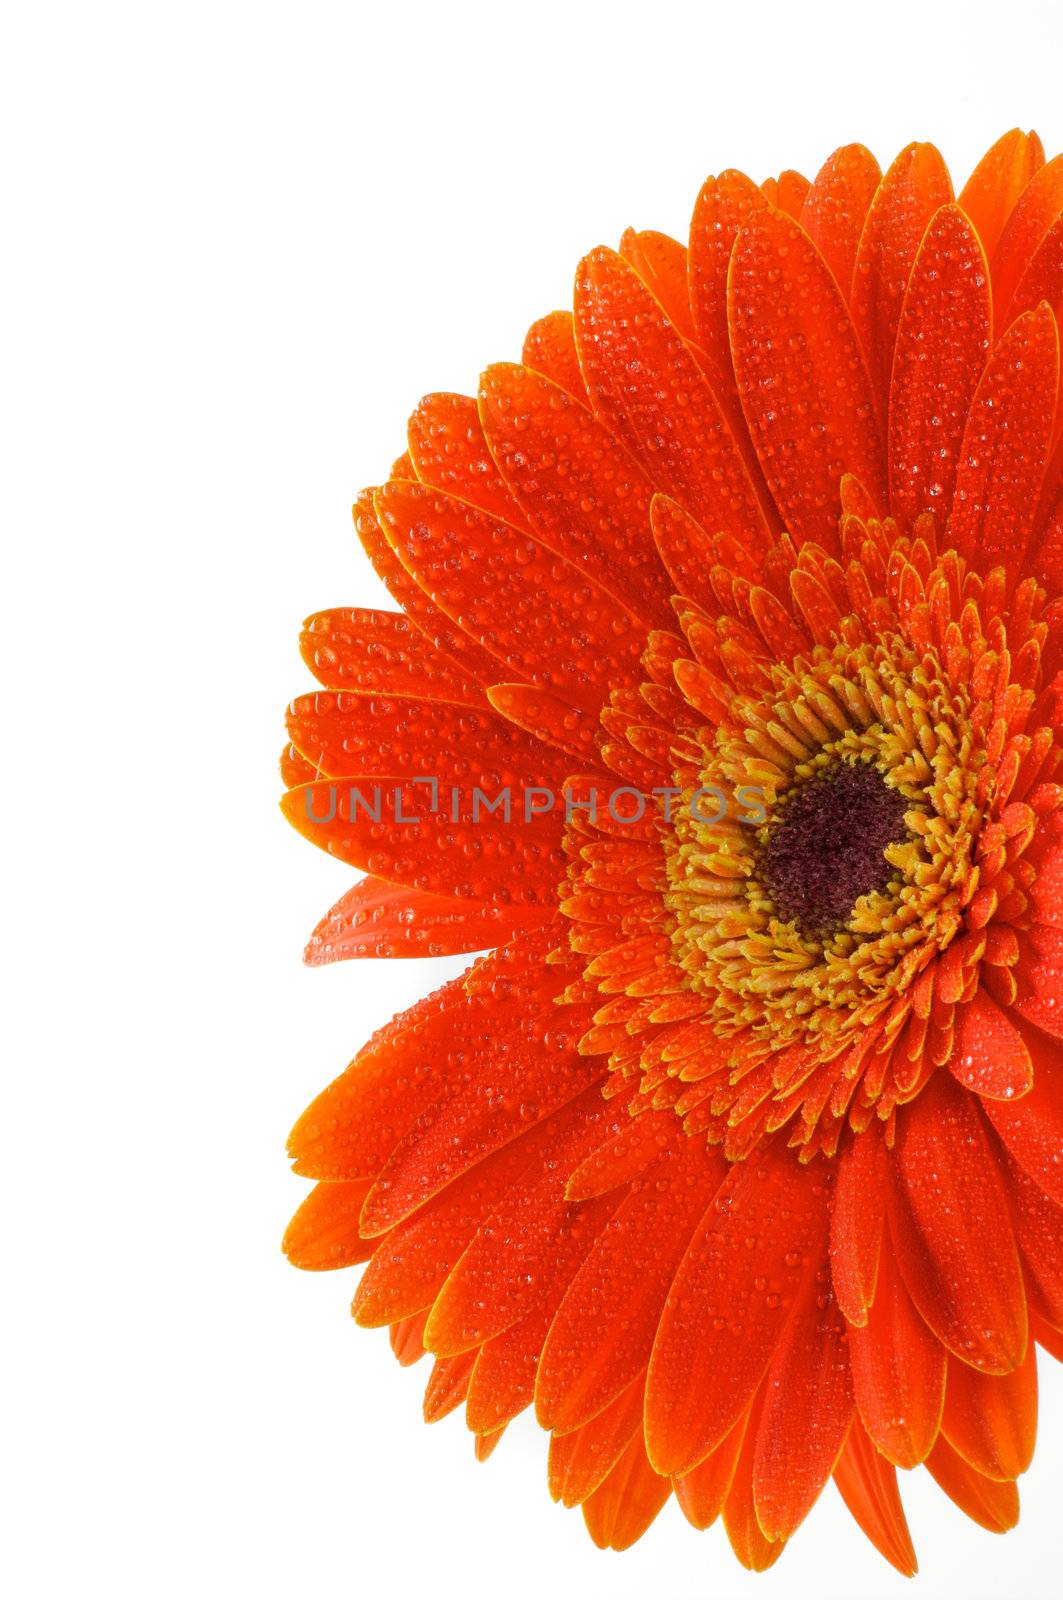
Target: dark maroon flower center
826,849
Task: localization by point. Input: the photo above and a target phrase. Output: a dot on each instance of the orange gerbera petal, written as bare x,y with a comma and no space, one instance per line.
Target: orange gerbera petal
942,346
622,1508
727,1307
399,735
550,348
1005,445
748,1540
898,1372
725,205
486,1293
1039,1231
808,1405
868,1485
584,495
915,187
801,377
995,1506
836,207
687,449
603,1333
702,1492
788,191
858,1213
990,193
448,451
953,1229
486,1111
992,1421
990,1055
1035,211
379,919
724,712
398,832
540,616
580,1461
457,651
1043,278
351,1128
381,651
661,263
324,1234
1032,1128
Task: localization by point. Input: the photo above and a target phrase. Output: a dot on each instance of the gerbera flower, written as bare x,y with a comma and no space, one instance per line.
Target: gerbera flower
740,1156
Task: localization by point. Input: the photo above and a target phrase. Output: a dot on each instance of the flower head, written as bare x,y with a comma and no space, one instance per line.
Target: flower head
722,707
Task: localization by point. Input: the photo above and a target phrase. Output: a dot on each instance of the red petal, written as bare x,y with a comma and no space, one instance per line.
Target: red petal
686,551
377,919
295,770
950,1219
548,718
989,1055
398,736
898,1372
546,621
702,1491
449,452
1039,1230
1043,278
393,832
550,348
942,345
406,1339
1032,1128
619,1512
724,205
351,1128
835,208
381,651
788,191
521,1069
635,1147
1035,212
868,1485
801,377
603,1333
1005,445
1048,1337
323,1234
916,185
485,1444
729,1302
501,1274
582,493
580,1461
647,387
858,1207
447,1386
460,653
990,193
994,1506
503,1380
808,1405
992,1421
411,1265
744,1531
661,263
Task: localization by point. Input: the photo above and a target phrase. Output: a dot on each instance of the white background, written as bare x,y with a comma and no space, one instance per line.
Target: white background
240,242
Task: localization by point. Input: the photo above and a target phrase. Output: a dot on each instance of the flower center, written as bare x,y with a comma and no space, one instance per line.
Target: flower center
826,849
